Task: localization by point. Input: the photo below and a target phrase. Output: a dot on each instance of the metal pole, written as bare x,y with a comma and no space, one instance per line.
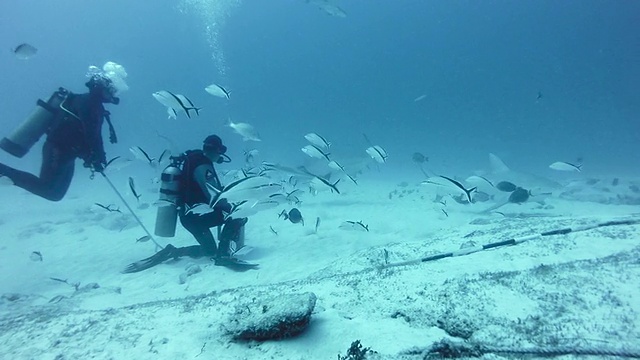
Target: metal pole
131,211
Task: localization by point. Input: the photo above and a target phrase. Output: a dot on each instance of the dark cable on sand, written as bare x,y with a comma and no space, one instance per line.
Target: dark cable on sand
514,241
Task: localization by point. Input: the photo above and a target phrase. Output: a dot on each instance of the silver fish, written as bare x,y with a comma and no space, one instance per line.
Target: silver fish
217,90
140,154
247,131
132,187
36,256
179,103
315,152
354,225
249,188
565,166
143,238
188,103
199,209
250,154
318,141
377,153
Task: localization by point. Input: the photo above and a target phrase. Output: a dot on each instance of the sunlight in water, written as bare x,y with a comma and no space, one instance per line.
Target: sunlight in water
214,14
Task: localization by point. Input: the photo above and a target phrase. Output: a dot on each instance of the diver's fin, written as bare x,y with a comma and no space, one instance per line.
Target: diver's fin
157,258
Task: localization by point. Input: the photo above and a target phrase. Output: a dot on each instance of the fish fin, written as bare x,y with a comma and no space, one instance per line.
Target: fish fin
497,165
333,187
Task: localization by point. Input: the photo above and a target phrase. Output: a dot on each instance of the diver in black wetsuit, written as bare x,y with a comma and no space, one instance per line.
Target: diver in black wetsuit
197,172
75,131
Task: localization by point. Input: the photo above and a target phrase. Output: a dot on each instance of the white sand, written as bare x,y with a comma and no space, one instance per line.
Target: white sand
581,289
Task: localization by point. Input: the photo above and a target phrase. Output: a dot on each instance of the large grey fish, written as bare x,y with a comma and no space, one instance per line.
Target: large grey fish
537,184
24,51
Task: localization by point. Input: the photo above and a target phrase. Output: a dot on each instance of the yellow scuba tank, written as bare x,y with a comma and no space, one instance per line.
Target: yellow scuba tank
35,125
167,214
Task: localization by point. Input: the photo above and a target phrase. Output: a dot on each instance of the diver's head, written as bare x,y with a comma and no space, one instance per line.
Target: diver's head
102,87
108,82
214,149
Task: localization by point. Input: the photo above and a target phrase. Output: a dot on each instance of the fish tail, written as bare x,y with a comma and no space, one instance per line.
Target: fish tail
469,192
334,186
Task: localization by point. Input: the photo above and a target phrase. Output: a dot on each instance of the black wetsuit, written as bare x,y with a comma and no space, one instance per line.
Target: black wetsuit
78,136
200,225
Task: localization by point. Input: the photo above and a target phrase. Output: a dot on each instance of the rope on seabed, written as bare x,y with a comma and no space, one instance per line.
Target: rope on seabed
453,349
514,241
565,350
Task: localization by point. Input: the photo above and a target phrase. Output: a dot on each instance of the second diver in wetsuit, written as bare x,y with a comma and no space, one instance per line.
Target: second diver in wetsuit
74,131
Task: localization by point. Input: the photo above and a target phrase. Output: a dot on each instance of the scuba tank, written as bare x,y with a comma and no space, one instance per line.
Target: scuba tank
167,215
35,125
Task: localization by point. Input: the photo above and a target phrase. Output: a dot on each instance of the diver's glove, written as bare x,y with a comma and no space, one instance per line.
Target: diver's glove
97,167
223,205
165,254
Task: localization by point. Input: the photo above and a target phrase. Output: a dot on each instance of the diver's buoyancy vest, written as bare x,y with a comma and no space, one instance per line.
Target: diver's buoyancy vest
191,191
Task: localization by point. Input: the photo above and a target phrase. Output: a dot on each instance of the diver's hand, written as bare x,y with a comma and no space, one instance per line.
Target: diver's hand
223,205
95,166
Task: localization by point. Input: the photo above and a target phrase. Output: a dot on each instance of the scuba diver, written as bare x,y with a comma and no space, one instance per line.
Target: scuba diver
73,124
184,186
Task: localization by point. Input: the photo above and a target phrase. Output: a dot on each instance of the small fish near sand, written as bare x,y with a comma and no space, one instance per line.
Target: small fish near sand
140,154
378,154
461,187
143,238
419,158
354,226
293,215
336,166
35,256
519,196
24,51
218,91
565,166
506,186
317,180
247,131
132,187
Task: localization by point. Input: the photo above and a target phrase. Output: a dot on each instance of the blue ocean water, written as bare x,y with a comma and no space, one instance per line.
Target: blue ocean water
532,81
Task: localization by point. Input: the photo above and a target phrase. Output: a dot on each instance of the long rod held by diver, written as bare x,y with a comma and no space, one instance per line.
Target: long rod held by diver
131,211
